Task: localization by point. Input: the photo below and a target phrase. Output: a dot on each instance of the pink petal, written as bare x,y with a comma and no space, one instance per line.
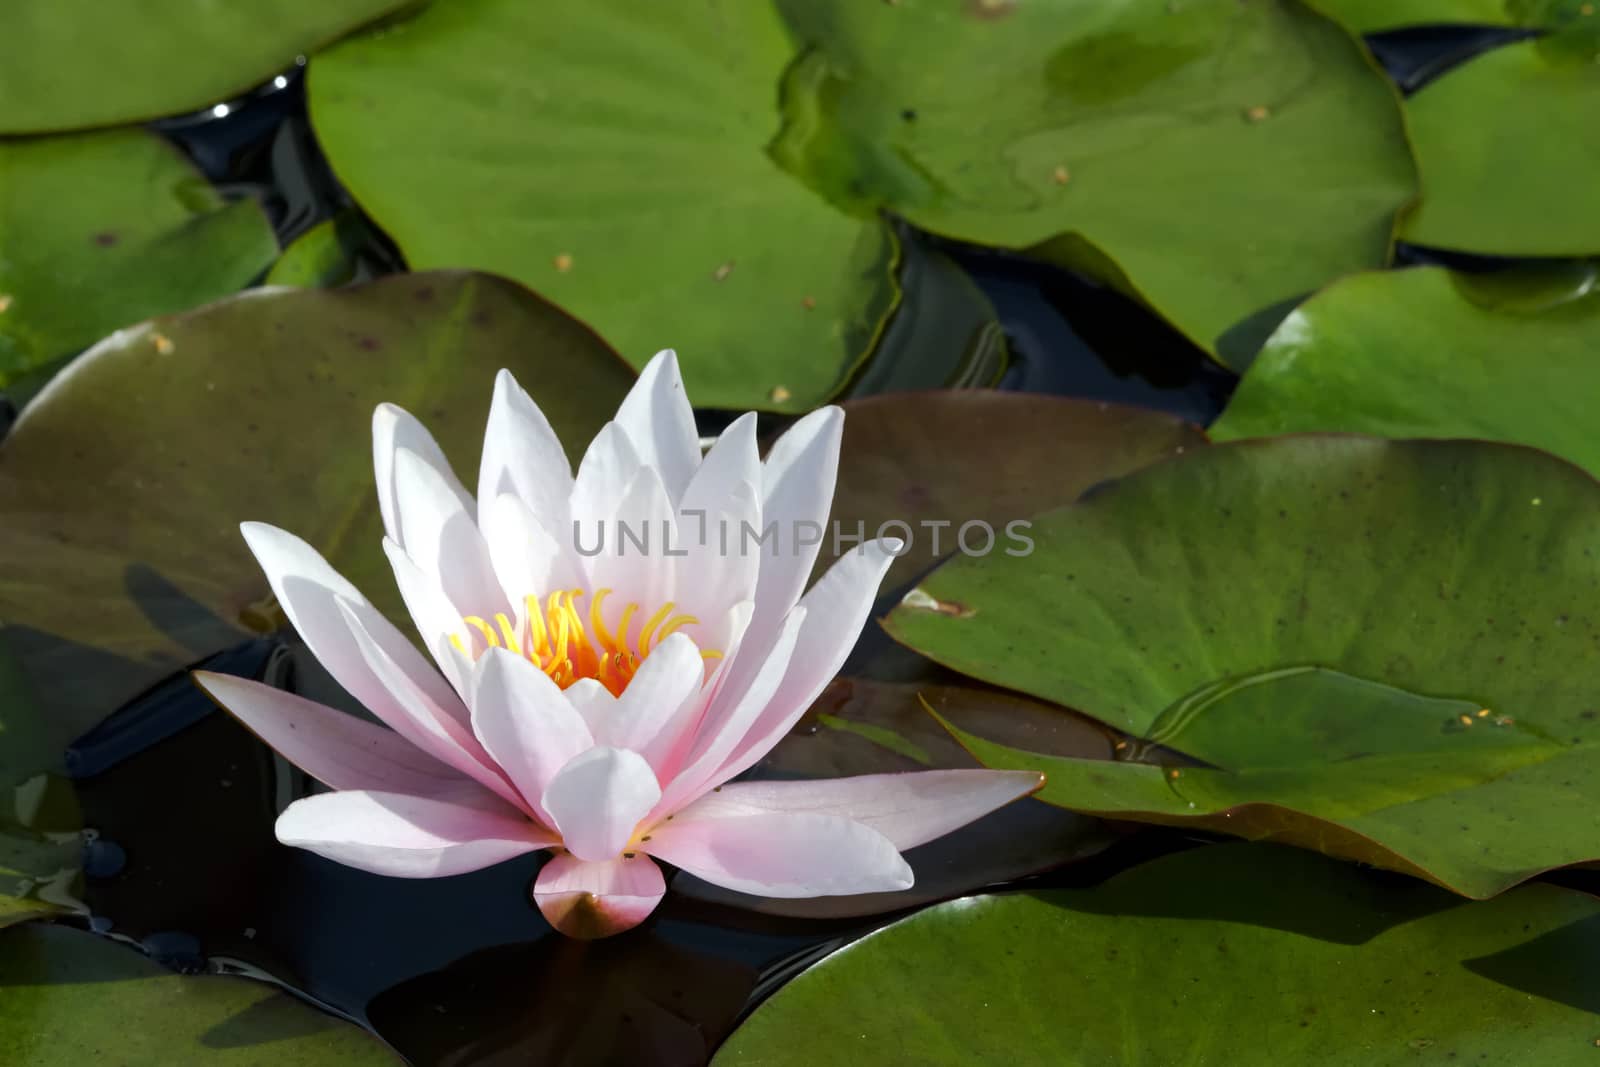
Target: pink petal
651,710
420,722
659,421
597,800
525,722
836,609
311,594
408,837
779,855
590,900
394,428
522,456
441,536
339,750
728,720
908,809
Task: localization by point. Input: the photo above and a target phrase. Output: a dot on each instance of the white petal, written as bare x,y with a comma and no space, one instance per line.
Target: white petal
603,476
593,702
394,428
836,609
780,855
650,712
597,800
660,423
729,719
734,460
639,558
526,556
797,486
522,456
435,618
909,809
339,750
311,592
525,723
407,837
440,535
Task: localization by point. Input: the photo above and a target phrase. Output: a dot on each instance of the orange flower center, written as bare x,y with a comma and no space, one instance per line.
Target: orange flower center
554,637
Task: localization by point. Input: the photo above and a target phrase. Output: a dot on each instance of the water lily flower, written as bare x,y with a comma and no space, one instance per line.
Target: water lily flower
596,702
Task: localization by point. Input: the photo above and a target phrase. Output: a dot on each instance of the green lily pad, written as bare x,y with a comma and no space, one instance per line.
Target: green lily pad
618,166
938,461
1456,571
860,726
1495,182
317,257
1237,955
1145,141
75,998
123,484
1435,787
69,64
1427,353
100,230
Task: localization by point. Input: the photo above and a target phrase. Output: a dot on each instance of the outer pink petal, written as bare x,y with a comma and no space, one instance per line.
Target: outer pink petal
409,712
836,609
659,421
394,428
525,723
406,836
591,900
339,750
522,455
597,800
311,592
908,809
780,855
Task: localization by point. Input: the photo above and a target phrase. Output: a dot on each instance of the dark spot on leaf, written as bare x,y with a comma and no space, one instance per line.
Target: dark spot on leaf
106,238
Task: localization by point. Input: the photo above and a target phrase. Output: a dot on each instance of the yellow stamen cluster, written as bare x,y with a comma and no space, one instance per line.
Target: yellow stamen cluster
553,637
